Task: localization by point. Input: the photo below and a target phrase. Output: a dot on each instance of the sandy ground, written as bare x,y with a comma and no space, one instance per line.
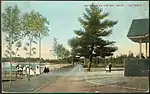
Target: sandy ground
78,84
66,84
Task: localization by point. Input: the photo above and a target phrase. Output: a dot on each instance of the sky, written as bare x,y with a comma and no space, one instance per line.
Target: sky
63,17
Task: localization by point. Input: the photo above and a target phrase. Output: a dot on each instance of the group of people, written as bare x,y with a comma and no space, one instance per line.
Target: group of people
108,67
25,70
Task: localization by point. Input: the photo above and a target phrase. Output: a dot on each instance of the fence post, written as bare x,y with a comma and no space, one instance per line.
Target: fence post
16,74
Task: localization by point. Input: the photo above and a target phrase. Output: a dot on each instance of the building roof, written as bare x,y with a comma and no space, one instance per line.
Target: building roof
139,29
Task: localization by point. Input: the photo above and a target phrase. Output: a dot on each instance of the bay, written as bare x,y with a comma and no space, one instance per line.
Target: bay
6,65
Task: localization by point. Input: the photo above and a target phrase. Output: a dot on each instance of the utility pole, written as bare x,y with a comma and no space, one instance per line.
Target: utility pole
30,48
10,45
40,52
30,56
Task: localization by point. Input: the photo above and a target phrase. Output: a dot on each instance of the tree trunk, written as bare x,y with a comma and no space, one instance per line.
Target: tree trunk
89,64
73,62
10,58
30,57
90,58
40,52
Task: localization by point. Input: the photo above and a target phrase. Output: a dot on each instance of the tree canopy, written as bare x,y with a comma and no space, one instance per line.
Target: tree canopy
12,28
89,41
59,50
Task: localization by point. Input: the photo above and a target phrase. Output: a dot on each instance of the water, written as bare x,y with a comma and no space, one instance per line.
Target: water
6,65
76,71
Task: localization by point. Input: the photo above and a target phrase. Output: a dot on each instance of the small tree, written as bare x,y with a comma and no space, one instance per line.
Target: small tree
59,50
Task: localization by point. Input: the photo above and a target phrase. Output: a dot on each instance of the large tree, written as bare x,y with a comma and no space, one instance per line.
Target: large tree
33,25
89,41
11,27
42,30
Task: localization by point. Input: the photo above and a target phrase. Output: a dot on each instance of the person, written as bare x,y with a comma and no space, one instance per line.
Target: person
37,70
24,70
107,68
27,70
110,65
31,72
45,69
19,70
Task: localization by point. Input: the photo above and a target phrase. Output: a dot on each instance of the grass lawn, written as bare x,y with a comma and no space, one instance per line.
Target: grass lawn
125,85
134,82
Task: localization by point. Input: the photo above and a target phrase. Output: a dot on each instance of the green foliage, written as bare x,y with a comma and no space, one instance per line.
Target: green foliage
138,56
59,50
34,26
27,49
21,59
88,42
18,26
12,28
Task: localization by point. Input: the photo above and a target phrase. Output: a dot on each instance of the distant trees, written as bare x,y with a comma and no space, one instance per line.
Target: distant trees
131,55
138,56
59,50
34,60
89,42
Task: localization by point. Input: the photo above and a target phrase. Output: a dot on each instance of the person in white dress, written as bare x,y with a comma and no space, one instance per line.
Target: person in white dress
24,70
107,68
31,71
27,70
37,70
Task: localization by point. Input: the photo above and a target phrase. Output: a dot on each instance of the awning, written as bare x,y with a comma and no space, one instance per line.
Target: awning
139,29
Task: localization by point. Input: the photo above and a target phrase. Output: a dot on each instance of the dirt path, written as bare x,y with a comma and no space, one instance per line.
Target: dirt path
67,84
74,84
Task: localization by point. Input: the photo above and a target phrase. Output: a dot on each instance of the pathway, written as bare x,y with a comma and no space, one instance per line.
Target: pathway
36,82
84,82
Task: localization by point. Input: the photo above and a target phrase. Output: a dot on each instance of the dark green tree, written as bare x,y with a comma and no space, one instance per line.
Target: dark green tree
89,41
